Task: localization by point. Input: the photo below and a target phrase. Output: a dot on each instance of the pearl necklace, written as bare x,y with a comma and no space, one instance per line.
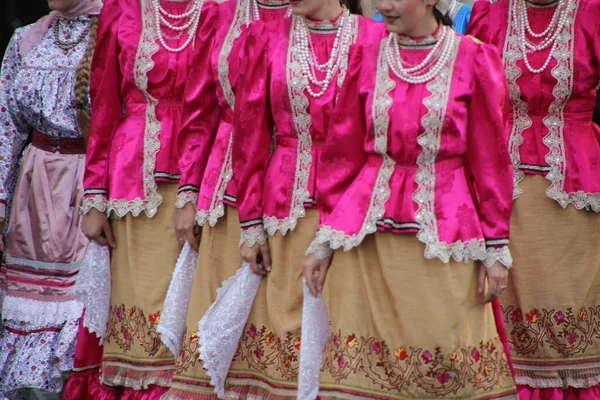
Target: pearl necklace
427,69
548,36
193,19
307,55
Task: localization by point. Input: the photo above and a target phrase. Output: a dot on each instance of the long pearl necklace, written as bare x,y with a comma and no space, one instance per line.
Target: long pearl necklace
180,24
307,55
548,36
427,69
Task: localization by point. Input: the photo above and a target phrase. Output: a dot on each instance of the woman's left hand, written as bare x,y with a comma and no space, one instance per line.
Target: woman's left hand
311,266
497,277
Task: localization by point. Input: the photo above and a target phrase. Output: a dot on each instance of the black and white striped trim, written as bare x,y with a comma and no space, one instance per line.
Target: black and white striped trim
251,223
188,188
95,192
496,242
533,167
229,198
310,201
272,6
399,226
166,175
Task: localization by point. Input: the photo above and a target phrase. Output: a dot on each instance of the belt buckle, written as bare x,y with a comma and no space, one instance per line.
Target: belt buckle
56,148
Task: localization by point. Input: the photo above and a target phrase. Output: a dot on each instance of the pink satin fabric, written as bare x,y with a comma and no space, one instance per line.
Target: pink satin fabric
33,36
208,117
473,174
116,155
265,184
581,136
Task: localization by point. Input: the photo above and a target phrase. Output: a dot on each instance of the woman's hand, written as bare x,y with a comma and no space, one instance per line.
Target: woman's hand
311,266
257,256
186,227
96,227
497,277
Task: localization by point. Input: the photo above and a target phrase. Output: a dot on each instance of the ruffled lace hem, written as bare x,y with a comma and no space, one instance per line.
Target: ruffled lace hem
99,202
580,200
36,355
123,377
93,288
211,216
41,313
498,254
586,376
570,393
221,328
186,197
253,236
321,250
118,208
172,324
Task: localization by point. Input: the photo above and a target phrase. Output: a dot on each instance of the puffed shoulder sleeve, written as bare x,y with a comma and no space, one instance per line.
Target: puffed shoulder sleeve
479,24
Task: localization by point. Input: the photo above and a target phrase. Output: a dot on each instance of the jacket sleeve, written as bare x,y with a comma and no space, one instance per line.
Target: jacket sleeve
106,78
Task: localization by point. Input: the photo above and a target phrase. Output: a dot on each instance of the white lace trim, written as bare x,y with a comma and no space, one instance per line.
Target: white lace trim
186,197
93,288
223,324
99,202
321,250
40,312
501,254
217,208
172,324
143,64
297,84
253,236
382,102
43,265
314,335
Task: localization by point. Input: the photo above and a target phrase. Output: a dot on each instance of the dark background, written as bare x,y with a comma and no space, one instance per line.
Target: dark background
17,13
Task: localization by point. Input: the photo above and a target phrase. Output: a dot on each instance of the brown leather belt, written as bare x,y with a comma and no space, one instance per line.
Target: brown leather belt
58,145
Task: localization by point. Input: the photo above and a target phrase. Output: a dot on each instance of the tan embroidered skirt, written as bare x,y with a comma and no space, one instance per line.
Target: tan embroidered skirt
404,327
552,304
142,266
218,259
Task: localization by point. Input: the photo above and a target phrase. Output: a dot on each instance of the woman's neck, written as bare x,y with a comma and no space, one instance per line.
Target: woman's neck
330,11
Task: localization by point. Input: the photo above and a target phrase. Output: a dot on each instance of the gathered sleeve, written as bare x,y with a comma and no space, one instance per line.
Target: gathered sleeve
479,24
201,111
252,126
344,154
487,159
15,129
106,78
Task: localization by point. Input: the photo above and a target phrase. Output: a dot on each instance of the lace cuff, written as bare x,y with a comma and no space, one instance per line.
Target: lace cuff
254,235
321,250
501,254
99,202
186,197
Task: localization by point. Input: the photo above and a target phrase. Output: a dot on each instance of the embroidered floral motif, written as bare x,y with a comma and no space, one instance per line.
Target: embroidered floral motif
129,327
439,372
568,332
263,350
188,355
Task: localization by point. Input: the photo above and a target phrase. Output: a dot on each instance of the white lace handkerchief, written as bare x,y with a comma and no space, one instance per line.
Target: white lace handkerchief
173,319
222,326
92,288
315,331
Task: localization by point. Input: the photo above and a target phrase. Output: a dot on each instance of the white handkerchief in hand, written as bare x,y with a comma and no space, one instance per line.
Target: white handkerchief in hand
92,288
315,332
222,326
173,319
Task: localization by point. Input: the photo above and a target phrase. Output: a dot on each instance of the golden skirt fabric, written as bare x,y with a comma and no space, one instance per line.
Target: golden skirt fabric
218,259
552,304
404,327
142,266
